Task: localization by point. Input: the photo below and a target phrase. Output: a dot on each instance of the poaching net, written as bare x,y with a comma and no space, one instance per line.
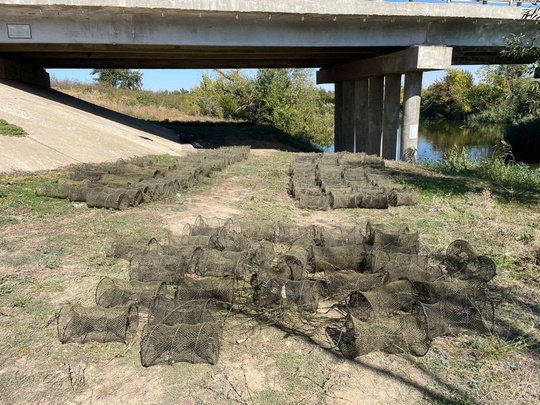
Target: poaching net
129,183
345,180
346,289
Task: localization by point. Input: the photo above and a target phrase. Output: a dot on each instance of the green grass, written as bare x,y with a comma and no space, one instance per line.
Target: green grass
455,161
8,129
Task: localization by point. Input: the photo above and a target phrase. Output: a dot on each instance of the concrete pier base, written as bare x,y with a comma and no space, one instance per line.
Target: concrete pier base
411,115
392,94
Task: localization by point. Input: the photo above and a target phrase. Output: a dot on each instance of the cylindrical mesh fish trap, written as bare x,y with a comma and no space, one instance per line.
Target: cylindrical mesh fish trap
301,294
79,324
111,292
401,265
345,282
226,290
170,312
214,263
463,263
155,267
391,298
401,243
404,333
340,236
388,229
459,315
339,258
199,343
117,200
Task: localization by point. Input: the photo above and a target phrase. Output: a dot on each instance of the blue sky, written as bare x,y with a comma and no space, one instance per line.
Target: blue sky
177,79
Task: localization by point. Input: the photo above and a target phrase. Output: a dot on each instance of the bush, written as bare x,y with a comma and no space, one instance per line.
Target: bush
525,140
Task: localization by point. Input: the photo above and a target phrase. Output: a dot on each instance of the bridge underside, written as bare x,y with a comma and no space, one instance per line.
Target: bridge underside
364,47
208,57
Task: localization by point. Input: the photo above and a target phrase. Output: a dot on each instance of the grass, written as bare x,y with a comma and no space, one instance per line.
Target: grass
513,175
52,253
8,129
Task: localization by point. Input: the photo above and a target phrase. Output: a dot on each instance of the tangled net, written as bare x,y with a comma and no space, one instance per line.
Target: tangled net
346,289
125,184
345,180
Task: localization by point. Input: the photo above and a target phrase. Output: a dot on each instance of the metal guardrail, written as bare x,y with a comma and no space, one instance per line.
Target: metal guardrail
516,3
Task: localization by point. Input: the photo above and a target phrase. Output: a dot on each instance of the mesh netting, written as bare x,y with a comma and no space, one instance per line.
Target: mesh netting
349,257
345,180
388,299
199,343
402,265
159,267
215,263
170,312
226,290
464,264
79,324
340,287
301,294
343,283
404,333
111,292
123,184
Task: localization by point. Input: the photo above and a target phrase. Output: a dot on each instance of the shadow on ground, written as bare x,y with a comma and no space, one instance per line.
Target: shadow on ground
216,134
432,182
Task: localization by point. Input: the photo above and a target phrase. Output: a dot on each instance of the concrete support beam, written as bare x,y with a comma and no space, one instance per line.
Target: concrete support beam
27,74
348,116
411,115
418,58
361,114
392,94
375,119
338,117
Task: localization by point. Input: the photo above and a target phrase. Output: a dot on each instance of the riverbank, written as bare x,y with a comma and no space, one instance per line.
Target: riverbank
53,252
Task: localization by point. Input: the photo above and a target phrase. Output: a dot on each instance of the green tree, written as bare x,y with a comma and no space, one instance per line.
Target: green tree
121,78
450,97
285,98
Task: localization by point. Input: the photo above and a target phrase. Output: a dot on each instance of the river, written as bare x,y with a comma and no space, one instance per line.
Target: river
435,137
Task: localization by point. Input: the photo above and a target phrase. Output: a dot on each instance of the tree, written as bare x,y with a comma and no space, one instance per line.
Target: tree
450,98
121,78
285,98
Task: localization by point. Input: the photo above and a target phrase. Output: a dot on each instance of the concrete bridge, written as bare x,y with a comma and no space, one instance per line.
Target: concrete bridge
364,47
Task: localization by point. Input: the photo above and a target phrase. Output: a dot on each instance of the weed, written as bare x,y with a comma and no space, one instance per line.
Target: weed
456,161
10,129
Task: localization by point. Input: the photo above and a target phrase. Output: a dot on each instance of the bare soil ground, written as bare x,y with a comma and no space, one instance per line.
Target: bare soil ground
53,252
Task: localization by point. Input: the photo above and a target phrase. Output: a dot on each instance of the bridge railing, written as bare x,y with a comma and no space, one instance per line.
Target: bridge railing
517,3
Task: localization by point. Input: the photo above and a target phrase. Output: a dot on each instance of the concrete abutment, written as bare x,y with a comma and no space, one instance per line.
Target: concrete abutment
20,72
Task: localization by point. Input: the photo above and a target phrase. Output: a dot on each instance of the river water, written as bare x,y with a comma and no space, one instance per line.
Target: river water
434,138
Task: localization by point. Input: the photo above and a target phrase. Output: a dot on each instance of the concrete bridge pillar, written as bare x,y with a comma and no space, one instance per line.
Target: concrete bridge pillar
378,122
375,116
361,116
411,115
392,95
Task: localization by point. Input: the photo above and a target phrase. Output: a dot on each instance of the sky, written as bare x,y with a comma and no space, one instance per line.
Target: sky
178,79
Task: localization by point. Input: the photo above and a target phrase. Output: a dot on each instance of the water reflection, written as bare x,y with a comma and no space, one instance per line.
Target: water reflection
435,138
